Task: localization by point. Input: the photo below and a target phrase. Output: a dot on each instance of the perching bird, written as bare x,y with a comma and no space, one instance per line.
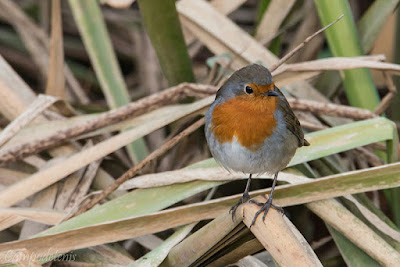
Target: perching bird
251,128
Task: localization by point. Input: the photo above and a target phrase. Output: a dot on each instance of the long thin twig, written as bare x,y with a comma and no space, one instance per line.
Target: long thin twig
107,118
294,51
331,109
134,170
339,63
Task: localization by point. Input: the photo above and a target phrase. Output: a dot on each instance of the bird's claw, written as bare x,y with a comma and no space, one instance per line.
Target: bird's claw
245,197
264,208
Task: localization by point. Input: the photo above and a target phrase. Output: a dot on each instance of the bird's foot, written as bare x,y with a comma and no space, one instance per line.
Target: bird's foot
245,197
264,208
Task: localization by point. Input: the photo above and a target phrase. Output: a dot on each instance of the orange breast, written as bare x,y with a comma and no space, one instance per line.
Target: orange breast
249,119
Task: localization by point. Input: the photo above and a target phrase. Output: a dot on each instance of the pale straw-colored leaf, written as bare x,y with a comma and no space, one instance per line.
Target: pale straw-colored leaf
273,17
204,174
41,103
11,216
15,95
226,6
44,178
356,231
311,68
55,75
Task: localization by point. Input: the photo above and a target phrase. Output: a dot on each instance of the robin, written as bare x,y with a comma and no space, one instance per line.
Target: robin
251,128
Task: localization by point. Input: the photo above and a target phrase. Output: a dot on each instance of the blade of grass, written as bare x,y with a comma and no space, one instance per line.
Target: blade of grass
373,20
162,24
371,23
261,8
343,41
55,76
91,25
352,255
395,106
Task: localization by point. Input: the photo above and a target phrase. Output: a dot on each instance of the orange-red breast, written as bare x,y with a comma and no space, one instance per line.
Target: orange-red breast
251,128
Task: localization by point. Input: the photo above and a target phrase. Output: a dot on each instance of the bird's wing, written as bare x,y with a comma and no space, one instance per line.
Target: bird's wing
292,123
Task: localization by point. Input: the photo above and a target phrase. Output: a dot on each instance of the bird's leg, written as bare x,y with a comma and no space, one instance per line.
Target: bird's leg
245,197
265,206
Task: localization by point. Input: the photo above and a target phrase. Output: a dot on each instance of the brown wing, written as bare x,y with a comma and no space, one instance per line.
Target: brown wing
292,123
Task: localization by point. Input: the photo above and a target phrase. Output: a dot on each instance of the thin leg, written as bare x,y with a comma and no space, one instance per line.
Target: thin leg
265,206
245,197
246,190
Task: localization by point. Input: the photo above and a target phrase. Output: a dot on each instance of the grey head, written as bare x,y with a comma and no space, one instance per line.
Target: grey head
235,85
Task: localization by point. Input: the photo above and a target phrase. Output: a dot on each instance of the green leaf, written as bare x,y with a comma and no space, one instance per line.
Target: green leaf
162,24
343,42
353,256
374,19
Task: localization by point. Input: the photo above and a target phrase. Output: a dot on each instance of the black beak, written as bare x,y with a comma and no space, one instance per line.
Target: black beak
271,93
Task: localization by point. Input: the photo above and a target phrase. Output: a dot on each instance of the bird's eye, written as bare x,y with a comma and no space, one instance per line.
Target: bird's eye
248,90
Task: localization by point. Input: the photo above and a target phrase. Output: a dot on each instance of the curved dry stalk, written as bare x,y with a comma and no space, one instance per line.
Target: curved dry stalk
337,63
134,109
331,109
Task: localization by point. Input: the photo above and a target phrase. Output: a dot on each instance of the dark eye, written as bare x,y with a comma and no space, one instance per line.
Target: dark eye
248,90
